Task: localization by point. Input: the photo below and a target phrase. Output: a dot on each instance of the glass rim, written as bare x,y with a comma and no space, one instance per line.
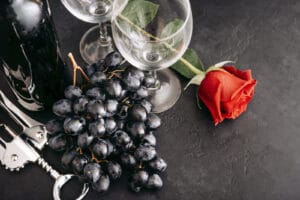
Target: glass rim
82,17
187,18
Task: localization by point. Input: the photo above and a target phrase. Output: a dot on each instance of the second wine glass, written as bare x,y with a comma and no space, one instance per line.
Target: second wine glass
95,44
152,35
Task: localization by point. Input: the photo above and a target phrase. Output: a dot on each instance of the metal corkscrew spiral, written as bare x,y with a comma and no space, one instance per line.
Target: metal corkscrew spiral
45,165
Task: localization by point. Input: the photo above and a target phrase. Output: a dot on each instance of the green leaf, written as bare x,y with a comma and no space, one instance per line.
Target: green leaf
171,27
191,56
140,12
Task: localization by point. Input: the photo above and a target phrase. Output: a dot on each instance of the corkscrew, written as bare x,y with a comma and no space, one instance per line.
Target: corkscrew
23,148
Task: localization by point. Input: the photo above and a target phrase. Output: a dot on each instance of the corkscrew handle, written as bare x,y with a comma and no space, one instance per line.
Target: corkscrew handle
61,180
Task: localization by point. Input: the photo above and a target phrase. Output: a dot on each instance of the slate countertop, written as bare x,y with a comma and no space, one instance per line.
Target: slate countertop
255,157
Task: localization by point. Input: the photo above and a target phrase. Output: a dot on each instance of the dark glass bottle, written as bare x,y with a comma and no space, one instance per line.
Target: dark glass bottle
29,52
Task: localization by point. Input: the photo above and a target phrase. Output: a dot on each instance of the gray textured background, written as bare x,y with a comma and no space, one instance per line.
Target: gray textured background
255,157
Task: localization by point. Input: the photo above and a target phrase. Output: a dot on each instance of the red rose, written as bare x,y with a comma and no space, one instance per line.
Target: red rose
226,92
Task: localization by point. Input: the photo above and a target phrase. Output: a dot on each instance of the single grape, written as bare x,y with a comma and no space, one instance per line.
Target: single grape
130,82
100,149
145,153
121,138
98,78
78,163
154,182
84,140
74,125
149,81
137,113
102,184
113,59
153,121
114,170
96,108
147,105
92,172
140,178
111,106
62,108
80,105
58,142
113,88
128,160
136,73
158,164
72,92
100,65
110,126
141,93
95,93
97,128
137,129
149,139
54,126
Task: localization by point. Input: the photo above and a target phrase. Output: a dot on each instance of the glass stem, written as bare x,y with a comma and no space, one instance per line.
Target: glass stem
104,39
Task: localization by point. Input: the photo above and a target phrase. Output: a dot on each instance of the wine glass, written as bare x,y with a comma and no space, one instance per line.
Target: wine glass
152,35
95,44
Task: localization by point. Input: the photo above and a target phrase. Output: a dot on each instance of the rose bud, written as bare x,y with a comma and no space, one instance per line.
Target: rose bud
226,92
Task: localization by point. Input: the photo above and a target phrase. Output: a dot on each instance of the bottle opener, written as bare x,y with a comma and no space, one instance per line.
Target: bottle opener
23,148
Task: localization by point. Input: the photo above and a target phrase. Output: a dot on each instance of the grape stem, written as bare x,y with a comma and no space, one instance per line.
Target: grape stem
112,74
75,68
79,150
93,157
140,165
124,100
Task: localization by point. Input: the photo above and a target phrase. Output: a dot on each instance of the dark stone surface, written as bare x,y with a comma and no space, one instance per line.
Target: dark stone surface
254,157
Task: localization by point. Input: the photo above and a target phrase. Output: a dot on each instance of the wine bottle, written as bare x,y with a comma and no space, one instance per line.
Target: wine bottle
29,53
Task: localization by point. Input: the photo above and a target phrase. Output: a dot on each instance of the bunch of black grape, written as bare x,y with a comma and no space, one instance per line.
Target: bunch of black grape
107,126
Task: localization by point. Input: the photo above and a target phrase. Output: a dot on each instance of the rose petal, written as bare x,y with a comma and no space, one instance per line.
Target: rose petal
210,93
227,92
245,75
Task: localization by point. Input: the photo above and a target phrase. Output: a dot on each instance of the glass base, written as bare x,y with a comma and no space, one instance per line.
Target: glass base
92,48
168,93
